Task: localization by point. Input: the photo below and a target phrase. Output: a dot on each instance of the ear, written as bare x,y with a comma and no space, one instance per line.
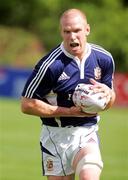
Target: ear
87,30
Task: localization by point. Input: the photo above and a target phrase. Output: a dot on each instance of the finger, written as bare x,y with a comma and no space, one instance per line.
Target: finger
95,85
94,82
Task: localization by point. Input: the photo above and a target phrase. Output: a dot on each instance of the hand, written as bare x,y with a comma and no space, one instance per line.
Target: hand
77,111
102,88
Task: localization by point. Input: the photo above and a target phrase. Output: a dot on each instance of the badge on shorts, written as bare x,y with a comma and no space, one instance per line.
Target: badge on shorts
97,73
49,165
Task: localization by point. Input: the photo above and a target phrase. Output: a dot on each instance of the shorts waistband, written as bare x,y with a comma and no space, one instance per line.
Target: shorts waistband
69,126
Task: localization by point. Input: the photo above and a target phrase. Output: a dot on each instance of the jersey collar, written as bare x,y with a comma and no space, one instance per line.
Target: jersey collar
88,47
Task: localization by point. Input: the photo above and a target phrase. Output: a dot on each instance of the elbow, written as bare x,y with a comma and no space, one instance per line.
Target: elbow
25,106
113,97
112,100
24,109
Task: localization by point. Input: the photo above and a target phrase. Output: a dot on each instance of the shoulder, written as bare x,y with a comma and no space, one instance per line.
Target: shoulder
50,58
53,63
104,57
99,50
53,54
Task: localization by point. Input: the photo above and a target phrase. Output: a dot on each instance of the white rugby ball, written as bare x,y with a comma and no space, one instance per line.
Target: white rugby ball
89,101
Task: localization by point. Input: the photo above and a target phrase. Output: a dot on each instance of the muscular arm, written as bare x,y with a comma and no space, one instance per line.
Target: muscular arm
39,108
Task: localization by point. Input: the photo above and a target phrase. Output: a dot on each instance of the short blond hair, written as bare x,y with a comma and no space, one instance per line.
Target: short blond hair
72,11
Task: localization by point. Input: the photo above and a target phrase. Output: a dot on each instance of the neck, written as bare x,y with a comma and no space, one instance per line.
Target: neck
82,55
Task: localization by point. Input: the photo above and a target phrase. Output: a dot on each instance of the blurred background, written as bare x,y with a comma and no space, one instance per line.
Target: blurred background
28,30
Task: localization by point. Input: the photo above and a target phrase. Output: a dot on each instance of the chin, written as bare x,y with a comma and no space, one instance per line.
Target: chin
76,52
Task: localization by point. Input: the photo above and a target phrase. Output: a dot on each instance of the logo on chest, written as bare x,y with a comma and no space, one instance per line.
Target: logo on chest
63,76
97,73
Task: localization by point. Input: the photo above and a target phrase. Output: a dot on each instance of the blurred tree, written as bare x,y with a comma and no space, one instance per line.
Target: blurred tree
107,19
109,29
125,3
20,12
19,48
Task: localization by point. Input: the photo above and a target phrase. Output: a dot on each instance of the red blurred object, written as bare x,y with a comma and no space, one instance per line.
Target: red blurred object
121,88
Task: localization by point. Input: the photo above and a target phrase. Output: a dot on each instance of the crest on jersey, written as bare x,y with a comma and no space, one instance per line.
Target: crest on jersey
49,165
97,73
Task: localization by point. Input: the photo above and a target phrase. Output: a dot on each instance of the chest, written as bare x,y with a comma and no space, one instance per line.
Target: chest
75,73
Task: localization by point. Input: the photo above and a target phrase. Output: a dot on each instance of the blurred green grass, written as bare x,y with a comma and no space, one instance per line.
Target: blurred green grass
20,157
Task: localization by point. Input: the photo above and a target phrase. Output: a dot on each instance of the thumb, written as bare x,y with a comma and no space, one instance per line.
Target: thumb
94,82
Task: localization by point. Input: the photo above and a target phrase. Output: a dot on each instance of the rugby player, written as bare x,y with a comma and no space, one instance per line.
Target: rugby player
69,141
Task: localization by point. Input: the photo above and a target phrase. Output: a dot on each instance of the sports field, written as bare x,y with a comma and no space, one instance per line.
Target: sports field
20,157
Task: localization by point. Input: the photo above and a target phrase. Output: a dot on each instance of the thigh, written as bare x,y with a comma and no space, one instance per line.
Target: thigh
87,162
88,155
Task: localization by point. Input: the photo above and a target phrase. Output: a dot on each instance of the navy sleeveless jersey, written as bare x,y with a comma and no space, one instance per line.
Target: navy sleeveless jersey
56,75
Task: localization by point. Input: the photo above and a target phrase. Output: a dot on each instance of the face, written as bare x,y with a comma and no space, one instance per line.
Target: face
74,31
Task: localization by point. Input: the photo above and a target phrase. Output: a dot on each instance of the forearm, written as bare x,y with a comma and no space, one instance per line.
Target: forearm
39,108
112,99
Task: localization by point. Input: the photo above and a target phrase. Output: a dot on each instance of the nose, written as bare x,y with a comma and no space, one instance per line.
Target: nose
72,36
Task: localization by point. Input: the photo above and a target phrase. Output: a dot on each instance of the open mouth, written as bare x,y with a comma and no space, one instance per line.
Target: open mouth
74,44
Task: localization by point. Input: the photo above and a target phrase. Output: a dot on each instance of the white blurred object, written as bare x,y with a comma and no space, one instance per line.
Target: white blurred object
89,101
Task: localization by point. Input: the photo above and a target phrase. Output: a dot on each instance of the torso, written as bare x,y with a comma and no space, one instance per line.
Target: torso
59,73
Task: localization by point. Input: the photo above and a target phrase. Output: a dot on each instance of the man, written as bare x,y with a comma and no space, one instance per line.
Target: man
69,141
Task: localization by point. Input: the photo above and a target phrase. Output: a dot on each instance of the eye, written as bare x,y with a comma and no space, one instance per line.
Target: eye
77,30
66,31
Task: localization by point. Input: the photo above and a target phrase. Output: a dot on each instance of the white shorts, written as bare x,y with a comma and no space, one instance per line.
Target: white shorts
59,146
